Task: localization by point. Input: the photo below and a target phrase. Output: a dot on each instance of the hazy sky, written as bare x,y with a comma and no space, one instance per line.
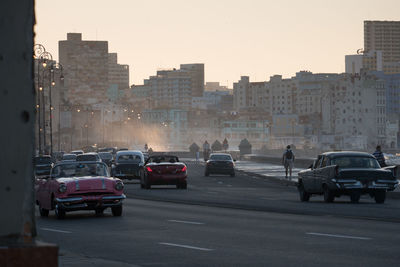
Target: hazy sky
258,38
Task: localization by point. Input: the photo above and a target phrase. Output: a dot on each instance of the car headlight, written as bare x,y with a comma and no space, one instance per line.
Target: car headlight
119,186
62,188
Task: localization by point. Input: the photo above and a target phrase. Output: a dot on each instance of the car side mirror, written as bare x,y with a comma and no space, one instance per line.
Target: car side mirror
311,166
234,160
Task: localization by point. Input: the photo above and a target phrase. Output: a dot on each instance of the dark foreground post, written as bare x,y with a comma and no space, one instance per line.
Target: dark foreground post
17,115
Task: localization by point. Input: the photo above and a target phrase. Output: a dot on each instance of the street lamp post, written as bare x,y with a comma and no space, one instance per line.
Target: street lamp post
55,67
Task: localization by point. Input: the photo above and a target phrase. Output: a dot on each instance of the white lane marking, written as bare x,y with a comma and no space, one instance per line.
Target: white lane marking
220,182
185,246
187,222
55,230
229,185
340,236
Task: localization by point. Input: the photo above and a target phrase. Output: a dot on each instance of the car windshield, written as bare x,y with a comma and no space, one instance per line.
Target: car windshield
159,159
220,157
42,160
69,157
86,158
79,170
348,162
105,155
129,158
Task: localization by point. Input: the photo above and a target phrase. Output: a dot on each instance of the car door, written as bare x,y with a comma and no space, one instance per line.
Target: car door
317,174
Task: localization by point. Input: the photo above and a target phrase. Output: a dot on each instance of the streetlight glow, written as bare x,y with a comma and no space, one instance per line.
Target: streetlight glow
40,88
53,83
78,110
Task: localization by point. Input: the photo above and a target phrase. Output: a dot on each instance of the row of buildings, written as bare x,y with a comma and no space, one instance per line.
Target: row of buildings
357,109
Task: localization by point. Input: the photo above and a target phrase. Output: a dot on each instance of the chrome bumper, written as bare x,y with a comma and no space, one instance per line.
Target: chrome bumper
354,184
77,203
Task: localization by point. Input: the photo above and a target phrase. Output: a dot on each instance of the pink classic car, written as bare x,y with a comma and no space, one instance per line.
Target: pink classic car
81,185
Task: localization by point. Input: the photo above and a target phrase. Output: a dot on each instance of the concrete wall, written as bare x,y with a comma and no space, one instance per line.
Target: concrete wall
17,118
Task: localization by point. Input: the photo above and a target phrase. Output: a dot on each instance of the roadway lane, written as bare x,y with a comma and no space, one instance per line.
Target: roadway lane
154,233
254,193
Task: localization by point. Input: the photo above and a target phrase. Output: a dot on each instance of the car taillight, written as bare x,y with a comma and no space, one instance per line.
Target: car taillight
149,169
184,169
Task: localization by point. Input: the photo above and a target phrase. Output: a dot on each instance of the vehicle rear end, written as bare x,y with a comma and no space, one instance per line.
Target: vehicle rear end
42,165
166,173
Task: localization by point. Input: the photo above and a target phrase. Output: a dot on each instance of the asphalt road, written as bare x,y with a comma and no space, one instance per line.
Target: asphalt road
225,221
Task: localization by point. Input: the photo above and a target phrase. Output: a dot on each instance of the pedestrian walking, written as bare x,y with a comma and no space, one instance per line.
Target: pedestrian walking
287,161
197,156
379,156
206,150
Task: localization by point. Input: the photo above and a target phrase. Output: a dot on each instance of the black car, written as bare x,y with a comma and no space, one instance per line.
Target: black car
220,163
128,164
91,156
346,173
106,157
42,165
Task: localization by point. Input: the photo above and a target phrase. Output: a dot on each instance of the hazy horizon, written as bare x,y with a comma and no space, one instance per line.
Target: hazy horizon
257,38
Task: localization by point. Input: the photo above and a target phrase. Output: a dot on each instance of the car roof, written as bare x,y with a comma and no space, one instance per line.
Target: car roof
43,156
220,154
334,154
69,155
89,153
129,152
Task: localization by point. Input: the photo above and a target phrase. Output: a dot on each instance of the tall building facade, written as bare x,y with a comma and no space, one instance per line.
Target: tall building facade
384,36
86,69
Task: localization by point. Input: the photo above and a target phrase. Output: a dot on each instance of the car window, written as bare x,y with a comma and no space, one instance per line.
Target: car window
105,155
79,170
129,158
324,161
86,158
220,157
69,157
159,159
346,162
42,160
318,162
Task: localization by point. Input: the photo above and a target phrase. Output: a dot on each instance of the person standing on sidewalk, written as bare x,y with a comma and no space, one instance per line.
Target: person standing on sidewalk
379,156
287,161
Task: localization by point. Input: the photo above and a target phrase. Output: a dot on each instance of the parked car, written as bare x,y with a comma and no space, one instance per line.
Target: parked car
68,157
42,165
220,163
91,156
128,164
106,157
334,174
77,152
164,170
75,186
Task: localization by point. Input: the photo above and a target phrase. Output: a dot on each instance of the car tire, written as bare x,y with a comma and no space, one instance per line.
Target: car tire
181,185
147,184
43,212
99,211
355,196
116,211
304,195
329,197
380,196
60,213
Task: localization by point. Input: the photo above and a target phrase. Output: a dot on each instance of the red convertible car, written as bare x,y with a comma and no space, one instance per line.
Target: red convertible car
164,170
81,185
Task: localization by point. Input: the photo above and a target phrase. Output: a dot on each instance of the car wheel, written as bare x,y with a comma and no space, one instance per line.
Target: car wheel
60,213
328,195
99,211
147,184
355,196
117,211
380,196
304,195
43,212
181,185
